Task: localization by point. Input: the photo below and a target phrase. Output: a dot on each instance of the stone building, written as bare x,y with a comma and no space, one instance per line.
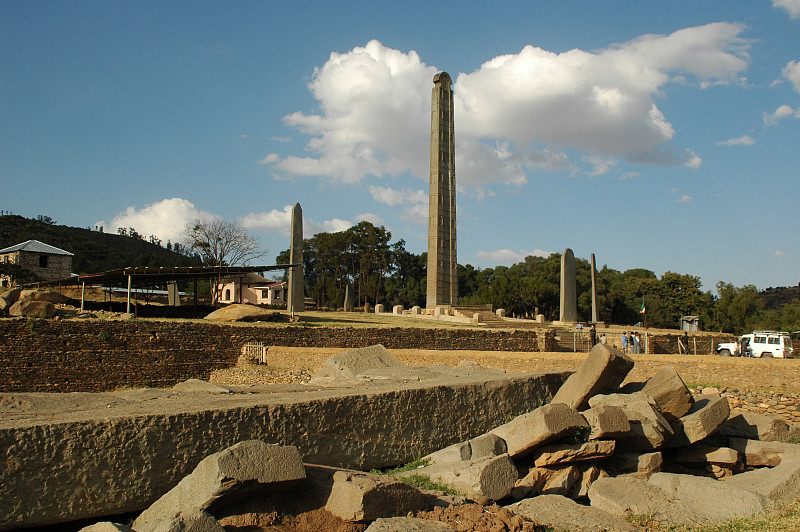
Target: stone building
252,288
47,262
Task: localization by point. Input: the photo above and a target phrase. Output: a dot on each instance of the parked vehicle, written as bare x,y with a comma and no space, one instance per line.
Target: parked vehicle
759,344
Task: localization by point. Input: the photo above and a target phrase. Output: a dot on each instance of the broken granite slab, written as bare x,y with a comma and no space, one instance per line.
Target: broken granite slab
362,497
547,423
649,429
607,422
706,415
670,393
567,453
602,372
561,513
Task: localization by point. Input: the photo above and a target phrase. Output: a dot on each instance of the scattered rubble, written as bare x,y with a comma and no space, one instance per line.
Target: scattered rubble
585,462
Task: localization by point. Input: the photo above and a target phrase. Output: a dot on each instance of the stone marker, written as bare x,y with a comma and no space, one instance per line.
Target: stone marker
607,422
348,298
705,416
295,295
602,372
224,473
567,453
561,513
356,361
649,429
501,313
360,497
415,310
595,311
397,310
568,310
670,393
482,480
379,308
549,422
408,524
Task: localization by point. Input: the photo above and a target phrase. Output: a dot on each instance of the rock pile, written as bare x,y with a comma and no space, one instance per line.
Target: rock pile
592,456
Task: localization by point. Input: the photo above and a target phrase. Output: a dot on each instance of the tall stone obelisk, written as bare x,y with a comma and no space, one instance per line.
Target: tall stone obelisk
295,300
595,313
569,295
442,286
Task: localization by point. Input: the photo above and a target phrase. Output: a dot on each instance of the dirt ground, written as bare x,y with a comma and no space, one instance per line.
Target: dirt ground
287,364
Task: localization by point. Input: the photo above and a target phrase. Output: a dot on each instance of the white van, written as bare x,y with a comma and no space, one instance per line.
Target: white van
768,344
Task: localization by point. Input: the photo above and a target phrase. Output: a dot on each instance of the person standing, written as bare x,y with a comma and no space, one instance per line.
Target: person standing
603,339
624,342
630,342
636,343
593,335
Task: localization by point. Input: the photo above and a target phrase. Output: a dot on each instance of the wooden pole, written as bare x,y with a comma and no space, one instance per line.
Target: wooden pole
128,308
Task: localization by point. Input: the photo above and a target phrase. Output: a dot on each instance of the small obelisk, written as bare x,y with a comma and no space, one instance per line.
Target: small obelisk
595,313
569,297
442,282
295,301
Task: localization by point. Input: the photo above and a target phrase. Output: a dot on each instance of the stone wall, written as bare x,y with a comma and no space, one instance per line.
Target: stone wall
698,345
95,355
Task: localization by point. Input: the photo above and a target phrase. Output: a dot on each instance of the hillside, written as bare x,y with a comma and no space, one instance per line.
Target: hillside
94,251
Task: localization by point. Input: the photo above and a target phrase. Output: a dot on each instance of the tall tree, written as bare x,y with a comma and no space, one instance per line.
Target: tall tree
222,243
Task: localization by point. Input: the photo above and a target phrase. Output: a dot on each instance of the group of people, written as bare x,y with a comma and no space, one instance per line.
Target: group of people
630,343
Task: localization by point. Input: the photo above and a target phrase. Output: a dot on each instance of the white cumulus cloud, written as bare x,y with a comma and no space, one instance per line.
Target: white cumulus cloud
744,140
791,6
684,199
165,219
280,221
515,114
508,256
393,197
784,111
792,72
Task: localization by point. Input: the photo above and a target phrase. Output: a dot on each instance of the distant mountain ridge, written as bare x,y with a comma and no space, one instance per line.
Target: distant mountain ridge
94,251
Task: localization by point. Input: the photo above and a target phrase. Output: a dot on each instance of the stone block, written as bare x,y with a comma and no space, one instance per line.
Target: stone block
670,393
755,426
482,480
397,310
639,465
649,429
354,362
561,480
379,308
589,475
361,497
547,423
531,483
756,453
408,524
415,310
701,454
486,445
711,499
780,483
560,513
458,452
602,372
501,312
626,495
226,472
706,415
607,422
572,452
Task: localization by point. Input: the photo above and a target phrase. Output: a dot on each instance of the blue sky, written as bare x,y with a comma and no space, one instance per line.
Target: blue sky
660,135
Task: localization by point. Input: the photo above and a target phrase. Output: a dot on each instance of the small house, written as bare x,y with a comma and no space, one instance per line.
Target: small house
252,288
47,262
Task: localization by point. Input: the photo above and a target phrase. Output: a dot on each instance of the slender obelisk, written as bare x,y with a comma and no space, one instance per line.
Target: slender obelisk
442,262
295,301
595,314
569,296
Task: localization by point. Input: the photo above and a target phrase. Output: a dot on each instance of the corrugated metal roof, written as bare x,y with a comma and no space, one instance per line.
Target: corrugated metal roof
34,246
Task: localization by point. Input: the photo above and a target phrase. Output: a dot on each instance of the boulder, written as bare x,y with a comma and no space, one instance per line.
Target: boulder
602,372
191,520
224,473
361,497
606,422
241,312
107,526
649,429
8,298
197,385
560,513
482,480
670,393
755,426
568,453
707,414
50,296
36,309
408,524
547,423
350,364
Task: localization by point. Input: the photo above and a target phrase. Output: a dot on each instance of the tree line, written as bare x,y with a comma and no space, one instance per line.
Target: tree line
380,271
